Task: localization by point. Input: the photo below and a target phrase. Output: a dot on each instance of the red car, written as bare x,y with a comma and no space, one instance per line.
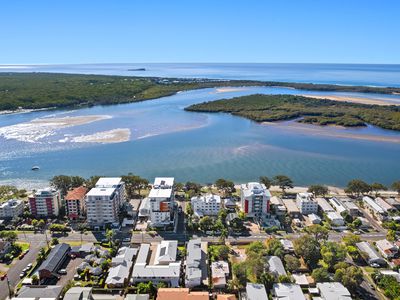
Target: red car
3,276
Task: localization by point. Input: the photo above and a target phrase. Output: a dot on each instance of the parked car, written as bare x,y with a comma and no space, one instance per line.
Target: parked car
127,239
3,276
22,274
29,266
62,272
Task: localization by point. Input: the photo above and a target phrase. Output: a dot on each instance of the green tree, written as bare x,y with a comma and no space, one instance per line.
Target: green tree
54,241
91,182
35,279
226,186
292,263
318,190
240,272
206,223
134,184
332,253
267,279
189,209
283,181
145,288
351,239
274,247
391,235
9,236
319,232
396,186
351,277
63,182
320,275
266,181
357,187
192,188
308,247
376,187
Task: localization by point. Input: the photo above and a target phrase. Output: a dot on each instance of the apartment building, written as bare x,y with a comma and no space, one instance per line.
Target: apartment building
255,199
104,200
306,204
11,208
45,203
162,200
196,265
208,205
75,202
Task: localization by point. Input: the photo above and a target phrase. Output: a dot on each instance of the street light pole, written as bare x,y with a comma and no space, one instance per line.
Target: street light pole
9,288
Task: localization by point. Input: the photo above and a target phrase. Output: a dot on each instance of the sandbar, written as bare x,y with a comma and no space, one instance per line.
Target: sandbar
118,135
230,89
70,121
372,101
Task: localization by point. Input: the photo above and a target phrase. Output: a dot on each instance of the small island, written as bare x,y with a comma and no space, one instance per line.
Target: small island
137,69
271,108
19,91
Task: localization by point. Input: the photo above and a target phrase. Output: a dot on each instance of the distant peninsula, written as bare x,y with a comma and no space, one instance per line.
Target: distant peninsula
271,108
44,90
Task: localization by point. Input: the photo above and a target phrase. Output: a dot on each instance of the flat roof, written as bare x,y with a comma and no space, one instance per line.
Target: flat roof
101,191
287,291
256,291
333,291
108,181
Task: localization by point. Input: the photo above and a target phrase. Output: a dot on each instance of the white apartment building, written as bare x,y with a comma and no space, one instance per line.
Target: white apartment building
208,205
161,198
45,203
255,199
306,204
104,200
11,208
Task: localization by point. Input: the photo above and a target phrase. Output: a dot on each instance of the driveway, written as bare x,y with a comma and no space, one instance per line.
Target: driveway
70,265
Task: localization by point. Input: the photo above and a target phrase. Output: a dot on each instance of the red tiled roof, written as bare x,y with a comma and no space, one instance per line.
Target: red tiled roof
76,193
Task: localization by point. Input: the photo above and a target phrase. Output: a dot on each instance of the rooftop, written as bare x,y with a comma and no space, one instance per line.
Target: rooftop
53,259
180,294
254,188
40,292
162,187
276,266
109,182
101,191
11,203
256,291
76,193
288,291
333,291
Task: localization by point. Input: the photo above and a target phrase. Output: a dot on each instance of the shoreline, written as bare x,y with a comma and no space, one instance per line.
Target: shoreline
352,99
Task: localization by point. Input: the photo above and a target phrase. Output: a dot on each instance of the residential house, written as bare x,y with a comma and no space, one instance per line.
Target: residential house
121,266
370,254
255,291
219,274
324,206
386,248
276,266
277,206
207,205
54,261
292,209
287,245
373,206
180,294
335,218
75,202
78,293
45,203
306,204
314,219
161,267
11,208
255,199
337,204
385,205
40,292
351,207
196,265
286,291
333,291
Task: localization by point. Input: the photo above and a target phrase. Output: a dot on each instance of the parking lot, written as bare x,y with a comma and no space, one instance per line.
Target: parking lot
70,265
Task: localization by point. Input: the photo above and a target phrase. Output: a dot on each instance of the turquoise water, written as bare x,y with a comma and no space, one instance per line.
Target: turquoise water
167,141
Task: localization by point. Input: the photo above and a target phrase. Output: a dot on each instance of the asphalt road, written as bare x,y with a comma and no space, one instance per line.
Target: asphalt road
16,269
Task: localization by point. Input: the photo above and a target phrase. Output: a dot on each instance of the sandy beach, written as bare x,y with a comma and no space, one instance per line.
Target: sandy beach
70,121
118,135
325,131
377,101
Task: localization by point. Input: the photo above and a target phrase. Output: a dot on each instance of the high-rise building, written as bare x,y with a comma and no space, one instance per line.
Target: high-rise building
11,208
45,203
104,200
208,205
161,198
75,202
306,204
255,199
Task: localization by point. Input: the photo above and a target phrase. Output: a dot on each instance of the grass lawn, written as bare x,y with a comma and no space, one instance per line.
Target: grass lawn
75,243
24,245
369,270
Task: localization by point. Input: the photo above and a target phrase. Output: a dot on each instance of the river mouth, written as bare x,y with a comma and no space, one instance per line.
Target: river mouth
158,137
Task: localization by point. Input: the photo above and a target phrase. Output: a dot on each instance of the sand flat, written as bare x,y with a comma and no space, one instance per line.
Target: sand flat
118,135
325,131
70,121
360,100
230,89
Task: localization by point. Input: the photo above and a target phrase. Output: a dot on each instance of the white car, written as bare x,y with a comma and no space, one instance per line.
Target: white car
62,272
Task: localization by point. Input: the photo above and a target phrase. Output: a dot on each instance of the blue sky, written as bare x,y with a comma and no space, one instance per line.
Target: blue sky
95,31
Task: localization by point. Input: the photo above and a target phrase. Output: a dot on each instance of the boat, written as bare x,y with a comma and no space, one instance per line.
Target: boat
35,168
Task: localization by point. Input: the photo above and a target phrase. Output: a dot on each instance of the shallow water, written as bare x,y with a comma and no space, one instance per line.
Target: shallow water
165,140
